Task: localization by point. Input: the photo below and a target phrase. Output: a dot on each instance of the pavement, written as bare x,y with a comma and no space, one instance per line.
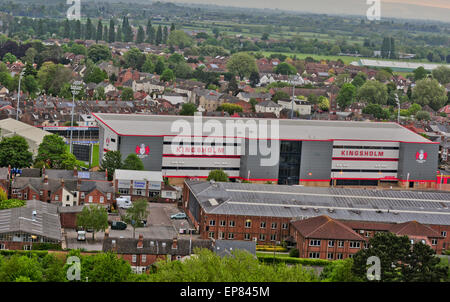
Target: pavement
159,226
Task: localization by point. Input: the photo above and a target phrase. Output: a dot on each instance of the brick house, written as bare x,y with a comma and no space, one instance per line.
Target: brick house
142,253
99,192
325,238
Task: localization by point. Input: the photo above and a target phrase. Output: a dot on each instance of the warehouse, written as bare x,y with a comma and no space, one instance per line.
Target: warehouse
293,152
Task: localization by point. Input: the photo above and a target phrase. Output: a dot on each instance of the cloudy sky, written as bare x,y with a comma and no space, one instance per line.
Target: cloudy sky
407,9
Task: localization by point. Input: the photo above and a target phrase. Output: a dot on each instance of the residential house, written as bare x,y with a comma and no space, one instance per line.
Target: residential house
268,107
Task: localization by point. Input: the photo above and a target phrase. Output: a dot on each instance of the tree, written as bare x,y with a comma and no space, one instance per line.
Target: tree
105,267
179,38
89,30
160,66
133,162
9,58
233,86
52,77
167,75
94,74
140,35
14,152
265,37
218,175
442,74
51,151
99,35
383,76
242,64
17,266
230,108
136,214
324,103
158,38
279,95
134,58
127,94
376,110
150,32
399,260
373,92
339,271
414,108
30,85
419,73
359,79
93,217
429,92
285,69
423,116
346,95
100,93
165,35
254,78
188,109
111,161
99,52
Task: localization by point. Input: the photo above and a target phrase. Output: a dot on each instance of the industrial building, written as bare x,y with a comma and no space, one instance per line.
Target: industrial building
293,152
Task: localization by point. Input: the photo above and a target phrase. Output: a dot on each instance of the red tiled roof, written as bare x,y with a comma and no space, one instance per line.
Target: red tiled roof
324,227
414,229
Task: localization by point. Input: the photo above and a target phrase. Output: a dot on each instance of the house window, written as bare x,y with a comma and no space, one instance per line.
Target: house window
444,234
355,244
2,247
211,235
82,195
366,245
67,197
263,225
90,198
221,235
330,256
340,243
248,224
27,247
284,226
330,243
314,255
274,225
41,193
434,241
314,242
56,197
133,259
124,191
230,235
246,236
262,237
223,223
102,199
232,223
367,234
108,196
144,258
351,255
273,237
212,222
339,256
34,196
25,195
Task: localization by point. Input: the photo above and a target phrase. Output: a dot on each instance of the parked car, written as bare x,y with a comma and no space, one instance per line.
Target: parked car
81,235
118,225
178,216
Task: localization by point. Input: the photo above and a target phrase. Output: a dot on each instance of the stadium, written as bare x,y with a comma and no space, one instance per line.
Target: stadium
293,152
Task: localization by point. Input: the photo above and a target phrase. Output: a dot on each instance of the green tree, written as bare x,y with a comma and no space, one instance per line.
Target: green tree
179,38
52,269
17,266
160,66
167,75
339,271
132,162
158,38
127,94
134,58
414,108
279,95
140,35
99,35
233,86
188,109
423,116
285,69
148,66
346,95
376,110
150,32
111,161
100,93
136,214
442,74
218,175
9,58
112,33
30,85
93,217
52,151
230,108
52,77
429,92
359,79
324,103
373,92
419,73
105,267
99,52
14,152
95,75
254,78
242,64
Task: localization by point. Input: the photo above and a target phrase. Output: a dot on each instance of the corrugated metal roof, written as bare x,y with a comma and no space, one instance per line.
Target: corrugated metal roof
343,204
138,175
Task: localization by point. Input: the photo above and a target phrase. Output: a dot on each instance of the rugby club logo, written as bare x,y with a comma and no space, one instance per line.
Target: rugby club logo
142,150
421,157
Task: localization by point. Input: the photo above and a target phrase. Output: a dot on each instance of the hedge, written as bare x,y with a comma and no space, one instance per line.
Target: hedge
271,248
11,203
46,246
23,253
291,260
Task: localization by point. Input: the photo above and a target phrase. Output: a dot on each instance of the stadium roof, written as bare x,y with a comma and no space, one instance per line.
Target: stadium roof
157,125
29,132
298,202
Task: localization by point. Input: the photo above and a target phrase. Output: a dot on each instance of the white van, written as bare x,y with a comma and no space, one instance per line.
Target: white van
81,236
124,202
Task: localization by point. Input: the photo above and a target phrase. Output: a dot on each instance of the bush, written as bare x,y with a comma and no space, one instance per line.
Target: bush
290,260
294,253
46,246
39,254
11,203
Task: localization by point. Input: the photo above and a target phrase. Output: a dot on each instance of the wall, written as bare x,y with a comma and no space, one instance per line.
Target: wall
316,160
418,170
153,160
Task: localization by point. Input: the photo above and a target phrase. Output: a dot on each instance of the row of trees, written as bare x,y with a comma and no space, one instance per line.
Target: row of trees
113,160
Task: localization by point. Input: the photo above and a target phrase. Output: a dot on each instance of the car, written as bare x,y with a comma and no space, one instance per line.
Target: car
118,225
178,216
81,235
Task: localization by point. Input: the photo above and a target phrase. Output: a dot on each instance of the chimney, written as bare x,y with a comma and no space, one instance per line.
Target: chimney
113,246
106,173
175,243
62,182
34,215
140,243
107,233
43,170
46,179
75,172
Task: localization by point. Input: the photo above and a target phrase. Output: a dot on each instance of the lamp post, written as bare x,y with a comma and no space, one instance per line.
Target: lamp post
18,95
398,113
76,87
